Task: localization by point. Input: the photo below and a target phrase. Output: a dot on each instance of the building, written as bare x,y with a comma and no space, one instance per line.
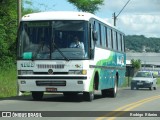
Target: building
149,61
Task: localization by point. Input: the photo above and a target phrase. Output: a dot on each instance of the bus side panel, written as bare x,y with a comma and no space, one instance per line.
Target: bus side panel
107,67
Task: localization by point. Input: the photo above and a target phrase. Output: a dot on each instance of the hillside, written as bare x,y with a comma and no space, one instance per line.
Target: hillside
140,43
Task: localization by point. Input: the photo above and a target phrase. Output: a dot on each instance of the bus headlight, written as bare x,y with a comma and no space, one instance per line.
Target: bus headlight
84,72
25,72
78,72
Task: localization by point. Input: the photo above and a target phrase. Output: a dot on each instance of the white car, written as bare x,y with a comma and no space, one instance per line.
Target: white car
144,79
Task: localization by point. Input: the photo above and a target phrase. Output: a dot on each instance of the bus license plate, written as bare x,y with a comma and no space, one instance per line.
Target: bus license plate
51,89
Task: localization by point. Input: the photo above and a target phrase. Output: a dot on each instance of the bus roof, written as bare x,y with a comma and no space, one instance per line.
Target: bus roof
61,15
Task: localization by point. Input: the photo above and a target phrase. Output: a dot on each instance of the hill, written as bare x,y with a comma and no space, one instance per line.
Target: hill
140,43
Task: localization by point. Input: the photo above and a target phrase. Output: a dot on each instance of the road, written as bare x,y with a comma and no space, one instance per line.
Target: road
126,100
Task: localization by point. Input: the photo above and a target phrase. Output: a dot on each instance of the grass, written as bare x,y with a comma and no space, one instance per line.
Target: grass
8,82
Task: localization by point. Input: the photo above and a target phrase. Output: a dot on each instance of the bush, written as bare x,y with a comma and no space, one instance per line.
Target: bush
8,84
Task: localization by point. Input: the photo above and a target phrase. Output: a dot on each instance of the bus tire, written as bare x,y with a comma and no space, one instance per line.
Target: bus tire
113,91
37,96
88,96
105,93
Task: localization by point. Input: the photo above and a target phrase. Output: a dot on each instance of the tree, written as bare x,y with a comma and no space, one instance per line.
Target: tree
29,9
8,30
87,5
136,64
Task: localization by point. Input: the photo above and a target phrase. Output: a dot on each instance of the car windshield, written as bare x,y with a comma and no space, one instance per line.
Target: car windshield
144,74
53,40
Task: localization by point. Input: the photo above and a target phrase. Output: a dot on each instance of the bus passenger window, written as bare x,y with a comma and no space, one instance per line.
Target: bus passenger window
123,46
114,41
98,32
119,42
103,36
109,38
106,36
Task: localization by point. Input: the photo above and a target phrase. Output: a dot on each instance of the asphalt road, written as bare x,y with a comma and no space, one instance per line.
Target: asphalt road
126,100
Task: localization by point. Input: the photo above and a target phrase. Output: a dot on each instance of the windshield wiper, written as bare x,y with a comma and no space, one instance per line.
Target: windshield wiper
55,46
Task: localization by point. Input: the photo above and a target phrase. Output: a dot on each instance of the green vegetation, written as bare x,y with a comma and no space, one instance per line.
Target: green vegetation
8,32
87,5
8,83
136,64
139,43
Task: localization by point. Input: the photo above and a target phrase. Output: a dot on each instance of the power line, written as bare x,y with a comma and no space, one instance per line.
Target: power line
114,15
123,8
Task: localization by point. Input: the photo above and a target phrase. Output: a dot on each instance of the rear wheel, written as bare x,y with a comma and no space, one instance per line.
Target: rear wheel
113,91
105,93
37,95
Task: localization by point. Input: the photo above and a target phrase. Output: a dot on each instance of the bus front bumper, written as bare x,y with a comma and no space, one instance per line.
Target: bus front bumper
52,83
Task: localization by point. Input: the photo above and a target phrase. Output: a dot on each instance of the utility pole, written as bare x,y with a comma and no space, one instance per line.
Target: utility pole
19,15
19,4
115,16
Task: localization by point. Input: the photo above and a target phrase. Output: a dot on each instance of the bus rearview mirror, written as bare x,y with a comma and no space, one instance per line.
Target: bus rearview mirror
95,35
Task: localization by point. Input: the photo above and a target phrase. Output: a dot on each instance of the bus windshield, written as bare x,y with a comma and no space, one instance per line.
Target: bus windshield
58,39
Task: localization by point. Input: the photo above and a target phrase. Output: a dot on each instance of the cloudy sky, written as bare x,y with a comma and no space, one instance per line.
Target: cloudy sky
139,17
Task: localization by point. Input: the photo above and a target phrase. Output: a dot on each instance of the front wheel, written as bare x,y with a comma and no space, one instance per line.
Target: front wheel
88,96
37,95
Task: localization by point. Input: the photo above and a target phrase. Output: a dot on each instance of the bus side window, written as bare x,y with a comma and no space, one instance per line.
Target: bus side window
123,44
109,38
106,35
100,35
103,36
98,32
119,42
114,40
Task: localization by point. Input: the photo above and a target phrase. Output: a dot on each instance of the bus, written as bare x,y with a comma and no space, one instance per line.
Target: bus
47,63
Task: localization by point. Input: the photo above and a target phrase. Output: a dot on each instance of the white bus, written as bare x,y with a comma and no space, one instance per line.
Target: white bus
46,62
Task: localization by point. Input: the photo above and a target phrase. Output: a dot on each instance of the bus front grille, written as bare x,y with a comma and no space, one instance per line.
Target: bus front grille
51,83
54,73
50,66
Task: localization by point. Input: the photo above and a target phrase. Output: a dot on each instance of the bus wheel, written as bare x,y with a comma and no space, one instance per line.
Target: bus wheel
105,93
37,95
88,96
113,91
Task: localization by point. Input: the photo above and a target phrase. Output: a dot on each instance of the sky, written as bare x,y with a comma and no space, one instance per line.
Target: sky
139,17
